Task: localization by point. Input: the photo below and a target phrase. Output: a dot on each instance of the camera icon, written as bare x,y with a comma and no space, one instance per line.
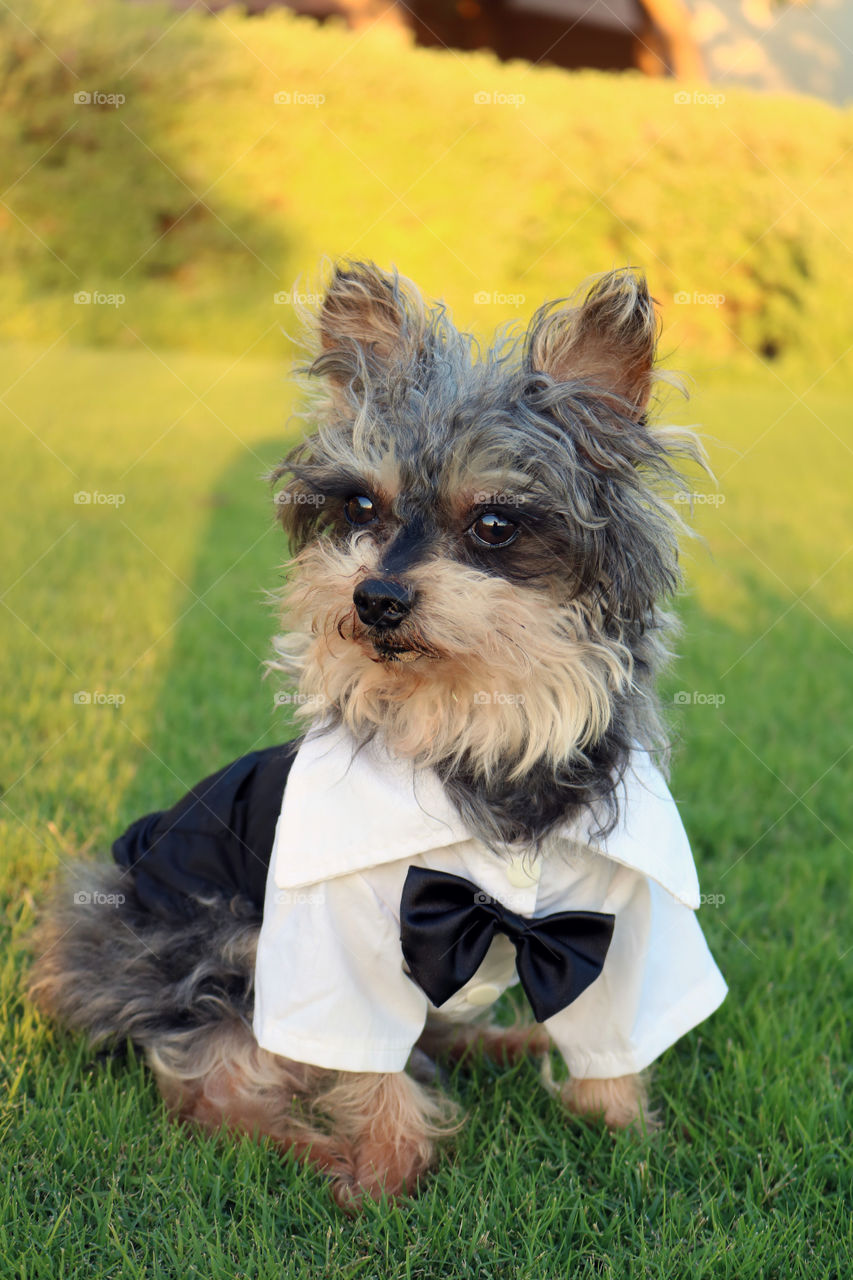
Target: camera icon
82,498
482,99
82,898
482,899
82,98
482,299
482,698
83,298
282,98
681,299
681,98
82,698
282,298
682,698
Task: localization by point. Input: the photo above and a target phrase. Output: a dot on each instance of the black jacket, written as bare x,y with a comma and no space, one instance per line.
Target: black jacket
215,842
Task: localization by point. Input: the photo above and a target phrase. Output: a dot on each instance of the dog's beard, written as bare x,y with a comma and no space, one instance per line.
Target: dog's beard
482,671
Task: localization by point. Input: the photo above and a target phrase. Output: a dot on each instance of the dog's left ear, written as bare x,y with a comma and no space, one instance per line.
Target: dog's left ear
608,340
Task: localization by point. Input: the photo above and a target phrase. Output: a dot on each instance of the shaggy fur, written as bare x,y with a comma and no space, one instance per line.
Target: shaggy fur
515,499
529,669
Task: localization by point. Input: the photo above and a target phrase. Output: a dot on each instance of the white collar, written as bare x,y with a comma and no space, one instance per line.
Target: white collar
348,807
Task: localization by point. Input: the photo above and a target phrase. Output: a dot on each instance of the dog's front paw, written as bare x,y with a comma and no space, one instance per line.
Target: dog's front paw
620,1102
379,1172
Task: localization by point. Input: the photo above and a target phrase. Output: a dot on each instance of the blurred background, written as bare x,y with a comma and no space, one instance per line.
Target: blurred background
189,164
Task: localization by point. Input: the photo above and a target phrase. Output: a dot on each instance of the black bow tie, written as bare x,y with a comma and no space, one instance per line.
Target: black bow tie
447,925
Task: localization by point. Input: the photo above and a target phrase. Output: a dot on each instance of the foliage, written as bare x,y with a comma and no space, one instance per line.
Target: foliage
199,198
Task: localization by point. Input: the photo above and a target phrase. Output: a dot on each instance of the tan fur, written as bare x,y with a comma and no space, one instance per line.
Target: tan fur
368,1133
513,676
504,1045
607,338
619,1102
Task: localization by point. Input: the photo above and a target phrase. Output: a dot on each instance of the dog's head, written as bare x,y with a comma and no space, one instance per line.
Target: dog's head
480,538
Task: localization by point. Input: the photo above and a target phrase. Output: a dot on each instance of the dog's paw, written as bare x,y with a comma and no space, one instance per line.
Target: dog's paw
621,1102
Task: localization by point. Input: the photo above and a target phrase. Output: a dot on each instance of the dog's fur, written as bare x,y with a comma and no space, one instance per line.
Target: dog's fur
522,673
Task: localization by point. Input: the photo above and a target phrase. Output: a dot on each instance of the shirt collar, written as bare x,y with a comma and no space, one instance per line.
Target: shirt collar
348,807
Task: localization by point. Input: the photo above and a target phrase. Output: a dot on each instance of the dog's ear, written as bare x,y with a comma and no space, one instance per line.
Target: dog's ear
607,340
364,321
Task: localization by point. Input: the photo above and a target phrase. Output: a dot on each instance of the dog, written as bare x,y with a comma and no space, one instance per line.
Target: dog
484,544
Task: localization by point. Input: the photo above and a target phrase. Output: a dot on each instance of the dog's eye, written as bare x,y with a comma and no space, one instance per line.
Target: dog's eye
360,509
493,530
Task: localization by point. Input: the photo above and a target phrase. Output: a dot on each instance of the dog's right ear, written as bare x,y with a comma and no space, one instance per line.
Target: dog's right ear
365,321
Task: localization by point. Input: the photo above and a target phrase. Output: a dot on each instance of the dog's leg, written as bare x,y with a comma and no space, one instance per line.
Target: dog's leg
367,1132
222,1079
443,1038
391,1124
620,1102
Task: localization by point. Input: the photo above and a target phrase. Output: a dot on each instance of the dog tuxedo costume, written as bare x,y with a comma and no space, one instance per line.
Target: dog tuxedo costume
380,907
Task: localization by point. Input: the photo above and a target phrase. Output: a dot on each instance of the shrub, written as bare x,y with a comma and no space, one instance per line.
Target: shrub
198,198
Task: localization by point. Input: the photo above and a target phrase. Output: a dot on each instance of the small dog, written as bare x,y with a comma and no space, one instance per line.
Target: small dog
482,547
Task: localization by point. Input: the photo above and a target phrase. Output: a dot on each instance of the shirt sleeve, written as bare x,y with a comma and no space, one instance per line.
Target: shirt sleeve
658,982
330,989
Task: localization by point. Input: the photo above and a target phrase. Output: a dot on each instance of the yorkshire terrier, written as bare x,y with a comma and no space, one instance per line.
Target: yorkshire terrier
482,543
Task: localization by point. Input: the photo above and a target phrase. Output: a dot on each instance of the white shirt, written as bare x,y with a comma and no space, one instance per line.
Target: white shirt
330,984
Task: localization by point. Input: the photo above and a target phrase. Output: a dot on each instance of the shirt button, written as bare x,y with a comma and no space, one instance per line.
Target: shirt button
522,873
485,993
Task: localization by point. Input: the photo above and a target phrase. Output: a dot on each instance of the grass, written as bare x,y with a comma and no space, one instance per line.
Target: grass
160,600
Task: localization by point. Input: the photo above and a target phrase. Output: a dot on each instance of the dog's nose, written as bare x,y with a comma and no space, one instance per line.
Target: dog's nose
381,602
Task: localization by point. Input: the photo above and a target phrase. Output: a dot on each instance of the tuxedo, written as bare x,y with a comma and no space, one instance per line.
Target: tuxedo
329,838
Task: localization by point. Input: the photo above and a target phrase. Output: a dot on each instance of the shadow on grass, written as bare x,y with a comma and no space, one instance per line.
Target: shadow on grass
213,704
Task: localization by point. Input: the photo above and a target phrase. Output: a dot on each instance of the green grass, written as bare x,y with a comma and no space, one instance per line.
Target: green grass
160,600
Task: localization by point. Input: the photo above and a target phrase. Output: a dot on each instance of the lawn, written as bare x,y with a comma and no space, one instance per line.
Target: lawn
149,598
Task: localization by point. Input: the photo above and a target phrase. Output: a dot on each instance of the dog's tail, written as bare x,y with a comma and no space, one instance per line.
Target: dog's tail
106,966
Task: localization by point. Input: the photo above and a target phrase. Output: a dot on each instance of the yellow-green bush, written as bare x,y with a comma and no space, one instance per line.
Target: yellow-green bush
200,198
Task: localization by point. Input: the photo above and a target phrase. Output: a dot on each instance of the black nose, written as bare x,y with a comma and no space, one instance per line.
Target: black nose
381,602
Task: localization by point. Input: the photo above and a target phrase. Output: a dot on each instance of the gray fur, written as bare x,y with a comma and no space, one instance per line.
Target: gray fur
561,413
111,969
